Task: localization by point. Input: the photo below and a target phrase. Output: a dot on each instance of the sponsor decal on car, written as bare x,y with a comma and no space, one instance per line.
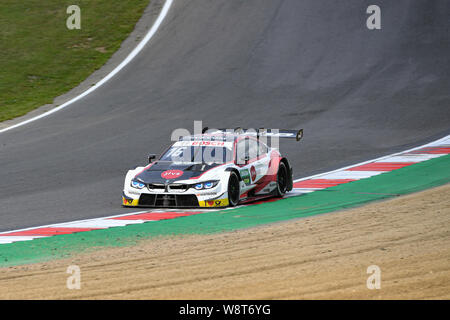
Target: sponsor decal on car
214,203
225,144
245,175
206,194
134,192
171,174
130,202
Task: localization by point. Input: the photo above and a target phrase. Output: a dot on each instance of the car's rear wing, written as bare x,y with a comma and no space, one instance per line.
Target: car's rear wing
280,133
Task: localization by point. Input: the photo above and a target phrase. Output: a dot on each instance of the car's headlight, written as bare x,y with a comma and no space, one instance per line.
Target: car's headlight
198,186
206,185
137,184
210,184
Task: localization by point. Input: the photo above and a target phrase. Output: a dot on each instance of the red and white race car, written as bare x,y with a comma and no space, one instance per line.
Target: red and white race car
213,169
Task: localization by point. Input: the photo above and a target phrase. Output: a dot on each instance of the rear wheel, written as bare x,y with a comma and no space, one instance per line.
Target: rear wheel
282,180
233,189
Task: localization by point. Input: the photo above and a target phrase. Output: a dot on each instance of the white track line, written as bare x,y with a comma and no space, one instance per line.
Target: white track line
350,174
410,158
10,239
131,56
99,224
97,220
76,221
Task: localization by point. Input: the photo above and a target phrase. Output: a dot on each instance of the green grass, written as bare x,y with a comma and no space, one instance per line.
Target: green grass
41,59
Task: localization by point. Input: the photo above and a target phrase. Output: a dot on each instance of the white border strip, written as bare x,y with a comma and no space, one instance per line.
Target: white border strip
76,221
57,225
131,56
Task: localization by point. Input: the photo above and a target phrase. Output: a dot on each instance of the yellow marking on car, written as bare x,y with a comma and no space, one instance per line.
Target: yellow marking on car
130,202
214,203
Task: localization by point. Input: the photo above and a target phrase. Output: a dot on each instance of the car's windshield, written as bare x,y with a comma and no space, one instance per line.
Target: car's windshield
186,152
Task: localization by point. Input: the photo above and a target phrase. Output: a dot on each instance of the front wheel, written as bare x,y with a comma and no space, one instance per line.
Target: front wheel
233,189
282,180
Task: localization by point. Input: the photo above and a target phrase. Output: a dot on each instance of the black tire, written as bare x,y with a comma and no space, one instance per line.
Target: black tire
233,189
282,180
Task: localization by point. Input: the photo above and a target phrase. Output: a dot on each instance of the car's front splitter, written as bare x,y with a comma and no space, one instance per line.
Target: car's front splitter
213,203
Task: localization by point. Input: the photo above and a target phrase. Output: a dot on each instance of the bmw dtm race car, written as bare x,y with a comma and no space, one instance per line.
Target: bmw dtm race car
214,169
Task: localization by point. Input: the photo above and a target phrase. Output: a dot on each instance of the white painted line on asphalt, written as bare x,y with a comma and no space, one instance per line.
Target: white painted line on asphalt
110,217
417,157
10,239
131,56
442,142
77,221
99,224
347,174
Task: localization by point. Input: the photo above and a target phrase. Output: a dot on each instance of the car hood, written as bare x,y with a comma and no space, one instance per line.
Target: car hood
169,172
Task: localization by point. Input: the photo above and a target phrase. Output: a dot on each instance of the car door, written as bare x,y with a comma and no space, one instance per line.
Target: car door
259,165
252,160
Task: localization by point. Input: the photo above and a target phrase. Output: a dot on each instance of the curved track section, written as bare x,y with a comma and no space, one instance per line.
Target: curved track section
358,94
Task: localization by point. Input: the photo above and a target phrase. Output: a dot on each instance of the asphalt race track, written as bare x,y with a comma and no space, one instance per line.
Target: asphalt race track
358,94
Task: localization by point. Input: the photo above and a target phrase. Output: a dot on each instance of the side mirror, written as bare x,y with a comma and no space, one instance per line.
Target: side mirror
151,157
246,159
